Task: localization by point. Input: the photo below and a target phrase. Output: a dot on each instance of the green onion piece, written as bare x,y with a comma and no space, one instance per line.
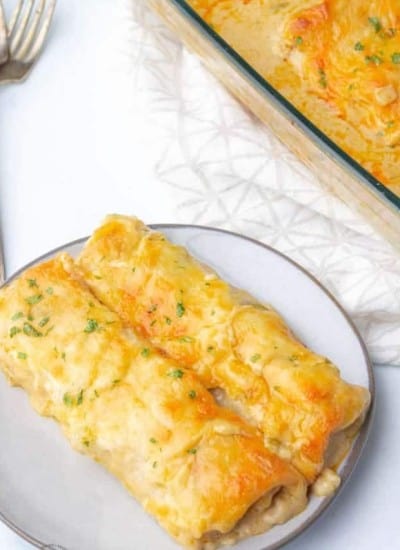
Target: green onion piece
375,59
180,309
30,330
177,373
375,22
396,58
35,299
17,316
68,400
91,326
14,331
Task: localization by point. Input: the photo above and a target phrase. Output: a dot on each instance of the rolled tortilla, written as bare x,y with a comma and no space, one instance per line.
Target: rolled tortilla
241,350
201,471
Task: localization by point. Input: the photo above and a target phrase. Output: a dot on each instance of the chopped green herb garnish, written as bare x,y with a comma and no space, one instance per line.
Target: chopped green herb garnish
180,309
358,46
153,322
32,283
91,326
35,299
375,22
186,339
192,451
254,358
133,269
152,440
153,308
396,58
17,316
14,331
30,330
98,277
192,394
210,349
390,123
96,393
49,290
145,352
79,399
298,41
43,322
213,312
91,304
322,78
116,381
63,356
21,355
30,318
68,400
277,388
177,373
155,464
168,320
86,442
375,59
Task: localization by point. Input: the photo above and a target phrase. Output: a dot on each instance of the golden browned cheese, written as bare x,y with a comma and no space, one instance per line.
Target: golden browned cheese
338,61
196,467
244,352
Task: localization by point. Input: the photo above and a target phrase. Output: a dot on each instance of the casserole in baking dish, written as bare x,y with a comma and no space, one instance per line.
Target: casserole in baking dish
287,78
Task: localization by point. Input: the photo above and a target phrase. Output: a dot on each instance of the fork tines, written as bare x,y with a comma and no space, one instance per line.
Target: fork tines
28,28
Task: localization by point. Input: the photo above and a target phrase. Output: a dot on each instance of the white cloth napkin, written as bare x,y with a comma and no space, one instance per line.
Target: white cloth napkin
223,168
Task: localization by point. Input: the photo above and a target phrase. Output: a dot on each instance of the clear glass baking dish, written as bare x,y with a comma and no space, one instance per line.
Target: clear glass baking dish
336,170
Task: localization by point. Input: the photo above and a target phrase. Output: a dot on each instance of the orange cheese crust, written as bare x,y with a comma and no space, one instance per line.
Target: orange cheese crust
241,350
196,467
337,61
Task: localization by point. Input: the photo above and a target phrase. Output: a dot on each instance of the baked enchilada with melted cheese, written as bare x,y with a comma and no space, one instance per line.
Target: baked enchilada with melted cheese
241,350
199,469
337,61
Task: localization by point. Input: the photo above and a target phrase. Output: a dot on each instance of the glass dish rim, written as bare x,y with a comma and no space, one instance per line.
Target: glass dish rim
323,142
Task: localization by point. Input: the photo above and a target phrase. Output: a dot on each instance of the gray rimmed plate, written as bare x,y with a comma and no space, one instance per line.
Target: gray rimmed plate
51,495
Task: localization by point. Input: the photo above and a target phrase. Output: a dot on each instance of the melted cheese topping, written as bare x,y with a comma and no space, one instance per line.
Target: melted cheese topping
294,396
337,61
196,467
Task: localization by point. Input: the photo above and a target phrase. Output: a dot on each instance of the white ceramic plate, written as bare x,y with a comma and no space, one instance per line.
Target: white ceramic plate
55,498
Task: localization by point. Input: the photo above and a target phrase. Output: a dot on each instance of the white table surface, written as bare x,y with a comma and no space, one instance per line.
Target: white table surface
68,156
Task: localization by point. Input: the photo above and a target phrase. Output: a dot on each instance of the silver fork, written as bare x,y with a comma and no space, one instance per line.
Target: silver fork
3,37
27,31
20,45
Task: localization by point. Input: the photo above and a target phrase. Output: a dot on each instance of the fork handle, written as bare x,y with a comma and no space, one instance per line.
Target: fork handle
3,37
